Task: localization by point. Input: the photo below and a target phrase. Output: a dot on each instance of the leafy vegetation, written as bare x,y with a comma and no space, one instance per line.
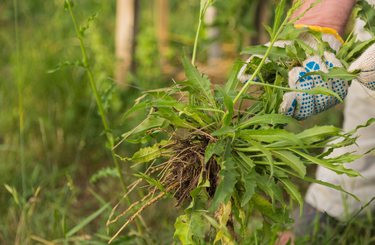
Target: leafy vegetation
221,165
48,199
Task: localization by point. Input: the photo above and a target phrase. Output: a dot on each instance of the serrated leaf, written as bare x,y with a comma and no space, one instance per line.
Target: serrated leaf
152,122
228,175
66,63
270,188
337,187
103,173
266,209
150,153
187,227
262,149
198,82
292,161
272,119
339,169
293,192
216,148
84,28
250,184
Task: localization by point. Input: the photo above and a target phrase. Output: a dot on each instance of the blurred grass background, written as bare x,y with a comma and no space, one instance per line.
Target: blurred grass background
64,141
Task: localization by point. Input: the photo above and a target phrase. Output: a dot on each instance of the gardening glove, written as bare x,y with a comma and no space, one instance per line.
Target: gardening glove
303,105
365,63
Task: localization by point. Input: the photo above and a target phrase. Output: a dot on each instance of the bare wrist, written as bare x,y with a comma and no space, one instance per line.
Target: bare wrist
328,13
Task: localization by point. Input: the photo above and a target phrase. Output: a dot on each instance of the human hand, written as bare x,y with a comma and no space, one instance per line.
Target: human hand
302,105
366,64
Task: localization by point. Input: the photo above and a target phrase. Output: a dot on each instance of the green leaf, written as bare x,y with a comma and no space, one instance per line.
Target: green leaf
272,135
274,54
149,153
368,123
250,184
337,187
333,73
86,221
292,161
278,17
66,63
198,82
293,192
84,28
228,175
366,12
290,32
247,159
345,158
339,169
272,119
136,108
266,209
262,149
317,133
170,115
103,173
223,131
187,227
254,108
357,49
152,122
228,103
270,188
216,148
232,82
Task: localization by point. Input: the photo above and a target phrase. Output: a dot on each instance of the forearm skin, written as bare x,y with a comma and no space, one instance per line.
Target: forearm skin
328,13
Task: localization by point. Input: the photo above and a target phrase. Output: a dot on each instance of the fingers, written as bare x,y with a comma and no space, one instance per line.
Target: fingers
288,104
365,63
339,86
307,104
305,101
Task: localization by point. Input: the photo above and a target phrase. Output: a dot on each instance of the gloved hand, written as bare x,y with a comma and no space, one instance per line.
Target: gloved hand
365,63
303,105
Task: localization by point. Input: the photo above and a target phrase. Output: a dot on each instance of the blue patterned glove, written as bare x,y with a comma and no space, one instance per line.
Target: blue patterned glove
303,105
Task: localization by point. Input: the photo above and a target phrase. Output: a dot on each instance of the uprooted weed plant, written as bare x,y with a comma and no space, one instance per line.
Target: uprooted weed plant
221,163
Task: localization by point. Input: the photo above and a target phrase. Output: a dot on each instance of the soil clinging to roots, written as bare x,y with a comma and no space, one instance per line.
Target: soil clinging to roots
187,164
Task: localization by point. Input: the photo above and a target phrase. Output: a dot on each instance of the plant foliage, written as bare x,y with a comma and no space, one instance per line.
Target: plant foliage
220,162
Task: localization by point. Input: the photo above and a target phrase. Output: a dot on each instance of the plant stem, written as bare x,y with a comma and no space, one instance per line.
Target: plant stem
99,103
196,40
245,88
20,102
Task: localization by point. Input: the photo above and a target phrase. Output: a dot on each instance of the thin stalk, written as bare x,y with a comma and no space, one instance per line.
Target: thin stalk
20,102
99,103
245,88
196,40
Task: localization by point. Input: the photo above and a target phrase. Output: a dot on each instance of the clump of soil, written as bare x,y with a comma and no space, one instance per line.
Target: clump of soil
186,165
